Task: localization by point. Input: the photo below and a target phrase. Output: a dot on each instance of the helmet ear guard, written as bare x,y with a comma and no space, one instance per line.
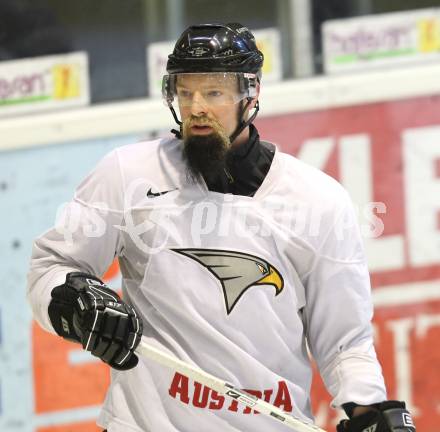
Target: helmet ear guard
168,89
247,83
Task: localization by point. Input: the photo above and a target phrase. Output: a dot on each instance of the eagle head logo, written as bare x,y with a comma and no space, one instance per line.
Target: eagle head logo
236,271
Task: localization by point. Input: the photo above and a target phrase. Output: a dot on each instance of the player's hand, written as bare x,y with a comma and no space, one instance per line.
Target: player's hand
87,311
389,416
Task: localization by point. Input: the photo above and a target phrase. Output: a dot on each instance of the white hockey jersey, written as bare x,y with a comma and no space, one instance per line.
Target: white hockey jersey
233,284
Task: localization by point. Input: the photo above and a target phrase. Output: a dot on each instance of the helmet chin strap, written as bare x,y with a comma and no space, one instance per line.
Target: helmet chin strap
240,128
177,133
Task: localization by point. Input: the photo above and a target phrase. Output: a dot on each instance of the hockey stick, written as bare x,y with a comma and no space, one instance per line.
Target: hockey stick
222,387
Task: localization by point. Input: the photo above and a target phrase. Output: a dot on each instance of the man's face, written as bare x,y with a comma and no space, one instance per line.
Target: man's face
208,105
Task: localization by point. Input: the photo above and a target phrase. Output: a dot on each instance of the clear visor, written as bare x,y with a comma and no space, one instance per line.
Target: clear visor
213,88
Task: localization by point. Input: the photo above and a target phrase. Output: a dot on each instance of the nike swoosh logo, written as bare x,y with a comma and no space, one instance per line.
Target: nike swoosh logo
151,194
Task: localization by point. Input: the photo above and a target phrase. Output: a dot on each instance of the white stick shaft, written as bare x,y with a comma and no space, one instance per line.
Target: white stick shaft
222,387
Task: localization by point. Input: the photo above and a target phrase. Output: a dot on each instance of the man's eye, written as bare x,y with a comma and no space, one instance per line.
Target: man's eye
184,93
214,93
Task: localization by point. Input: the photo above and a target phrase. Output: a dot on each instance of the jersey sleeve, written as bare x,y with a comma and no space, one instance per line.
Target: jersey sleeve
85,237
339,310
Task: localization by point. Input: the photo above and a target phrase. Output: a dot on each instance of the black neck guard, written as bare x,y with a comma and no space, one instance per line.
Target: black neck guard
246,167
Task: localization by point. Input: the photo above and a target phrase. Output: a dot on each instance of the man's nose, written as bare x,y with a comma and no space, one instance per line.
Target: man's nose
198,104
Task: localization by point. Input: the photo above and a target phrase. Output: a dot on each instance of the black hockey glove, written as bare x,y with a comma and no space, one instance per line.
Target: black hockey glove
87,311
389,416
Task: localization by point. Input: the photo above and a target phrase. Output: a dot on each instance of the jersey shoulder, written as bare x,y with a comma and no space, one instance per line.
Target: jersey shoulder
148,169
131,171
306,180
150,159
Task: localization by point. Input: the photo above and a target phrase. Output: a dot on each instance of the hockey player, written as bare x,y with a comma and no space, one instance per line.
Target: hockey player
233,256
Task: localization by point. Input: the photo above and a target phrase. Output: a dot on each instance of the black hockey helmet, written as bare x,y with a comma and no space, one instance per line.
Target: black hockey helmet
216,48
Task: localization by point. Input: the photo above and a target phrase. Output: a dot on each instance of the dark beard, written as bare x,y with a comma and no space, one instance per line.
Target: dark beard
205,156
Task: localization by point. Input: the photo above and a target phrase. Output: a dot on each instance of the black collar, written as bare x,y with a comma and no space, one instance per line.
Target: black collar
246,167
